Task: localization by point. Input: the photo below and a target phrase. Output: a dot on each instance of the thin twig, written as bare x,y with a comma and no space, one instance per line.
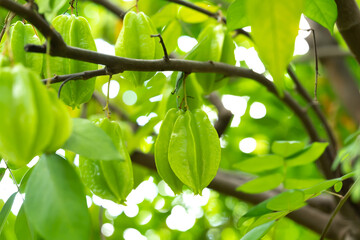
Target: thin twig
106,108
199,9
316,65
120,64
166,56
301,90
184,90
335,194
102,101
111,7
62,85
337,209
9,17
14,179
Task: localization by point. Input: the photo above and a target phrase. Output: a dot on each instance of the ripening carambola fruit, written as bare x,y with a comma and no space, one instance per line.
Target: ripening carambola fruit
161,151
26,122
214,44
135,41
62,125
187,150
20,35
76,33
109,179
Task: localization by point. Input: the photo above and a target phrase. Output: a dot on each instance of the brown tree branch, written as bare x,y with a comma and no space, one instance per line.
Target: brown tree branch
331,150
224,115
40,23
118,64
344,84
78,76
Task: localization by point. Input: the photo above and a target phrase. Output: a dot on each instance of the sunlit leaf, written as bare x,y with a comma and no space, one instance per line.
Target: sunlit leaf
236,15
262,184
171,34
55,201
258,232
260,163
192,16
322,11
295,183
6,210
91,141
321,186
286,148
308,155
287,201
165,15
274,27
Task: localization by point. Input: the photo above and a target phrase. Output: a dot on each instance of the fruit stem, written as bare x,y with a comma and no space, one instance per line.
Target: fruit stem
137,6
106,108
185,96
184,88
13,177
48,72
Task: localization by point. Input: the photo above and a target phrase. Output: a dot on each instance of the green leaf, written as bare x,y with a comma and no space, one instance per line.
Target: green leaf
262,184
260,163
165,15
321,186
286,148
258,210
209,48
322,11
189,15
308,155
90,141
338,186
274,27
296,183
258,232
55,202
23,230
236,15
5,211
25,179
287,201
2,173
